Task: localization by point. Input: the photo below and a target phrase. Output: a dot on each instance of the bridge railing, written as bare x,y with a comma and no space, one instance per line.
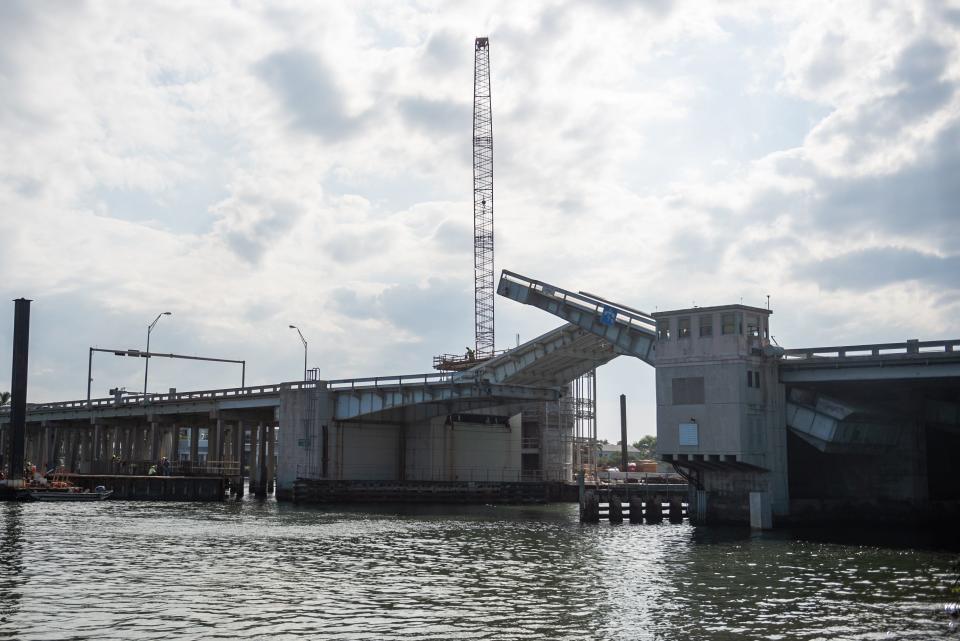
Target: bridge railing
139,400
907,348
253,391
628,316
389,381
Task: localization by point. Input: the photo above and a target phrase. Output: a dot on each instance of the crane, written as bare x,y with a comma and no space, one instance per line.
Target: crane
484,289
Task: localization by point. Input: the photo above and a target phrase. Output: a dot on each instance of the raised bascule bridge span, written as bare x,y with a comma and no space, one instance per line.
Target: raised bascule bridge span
824,433
864,431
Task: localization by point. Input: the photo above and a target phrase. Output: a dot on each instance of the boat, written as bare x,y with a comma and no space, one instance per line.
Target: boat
64,494
59,488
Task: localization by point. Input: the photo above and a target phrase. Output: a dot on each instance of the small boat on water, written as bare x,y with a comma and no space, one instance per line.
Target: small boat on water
64,494
57,487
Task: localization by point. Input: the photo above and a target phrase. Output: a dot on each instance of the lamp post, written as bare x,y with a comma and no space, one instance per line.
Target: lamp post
304,350
146,366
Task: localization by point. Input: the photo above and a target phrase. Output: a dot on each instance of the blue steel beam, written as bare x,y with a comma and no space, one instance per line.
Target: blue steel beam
630,332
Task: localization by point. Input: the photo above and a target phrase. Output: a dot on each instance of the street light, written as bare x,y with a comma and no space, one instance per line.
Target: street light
304,350
146,366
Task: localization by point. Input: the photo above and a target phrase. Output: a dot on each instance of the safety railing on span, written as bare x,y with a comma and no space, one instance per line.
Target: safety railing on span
587,302
906,348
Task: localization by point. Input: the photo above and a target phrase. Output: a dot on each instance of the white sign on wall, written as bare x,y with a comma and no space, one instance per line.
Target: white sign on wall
689,434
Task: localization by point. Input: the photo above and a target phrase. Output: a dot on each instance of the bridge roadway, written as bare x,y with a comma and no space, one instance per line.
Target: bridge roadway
913,359
355,397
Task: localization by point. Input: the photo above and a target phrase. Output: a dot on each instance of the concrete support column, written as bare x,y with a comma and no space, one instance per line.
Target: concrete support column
76,444
43,446
136,446
154,442
271,456
96,448
194,445
126,438
213,443
254,464
261,460
402,452
238,443
174,443
87,461
56,452
238,446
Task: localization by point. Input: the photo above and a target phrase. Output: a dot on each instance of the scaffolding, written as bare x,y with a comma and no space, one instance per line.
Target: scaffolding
584,397
559,438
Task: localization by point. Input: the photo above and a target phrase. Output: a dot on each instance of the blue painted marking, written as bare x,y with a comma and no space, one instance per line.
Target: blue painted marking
609,316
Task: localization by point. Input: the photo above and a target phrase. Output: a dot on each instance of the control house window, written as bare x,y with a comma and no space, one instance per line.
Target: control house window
753,326
706,325
683,330
663,330
728,324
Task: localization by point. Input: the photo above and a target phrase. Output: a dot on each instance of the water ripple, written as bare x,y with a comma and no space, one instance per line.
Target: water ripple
251,570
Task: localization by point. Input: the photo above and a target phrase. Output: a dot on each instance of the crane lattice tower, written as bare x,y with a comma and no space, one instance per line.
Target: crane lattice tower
483,200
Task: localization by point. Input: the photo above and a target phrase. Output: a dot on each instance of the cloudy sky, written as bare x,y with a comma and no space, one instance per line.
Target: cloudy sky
249,165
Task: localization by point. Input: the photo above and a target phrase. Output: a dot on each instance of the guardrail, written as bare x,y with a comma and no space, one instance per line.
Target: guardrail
254,391
625,315
389,381
907,348
140,400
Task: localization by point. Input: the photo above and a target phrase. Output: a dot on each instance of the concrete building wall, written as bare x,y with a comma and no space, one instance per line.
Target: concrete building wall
452,451
716,388
316,446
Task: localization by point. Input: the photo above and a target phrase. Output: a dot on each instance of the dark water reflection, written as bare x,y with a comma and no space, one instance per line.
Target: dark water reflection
258,570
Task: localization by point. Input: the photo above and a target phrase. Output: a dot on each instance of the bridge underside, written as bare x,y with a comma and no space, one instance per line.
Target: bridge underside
885,447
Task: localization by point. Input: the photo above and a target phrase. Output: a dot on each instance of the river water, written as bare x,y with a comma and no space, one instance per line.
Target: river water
258,569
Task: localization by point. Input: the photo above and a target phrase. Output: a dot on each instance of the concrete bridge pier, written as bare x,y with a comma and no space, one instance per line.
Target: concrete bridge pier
238,455
255,475
194,446
271,457
215,441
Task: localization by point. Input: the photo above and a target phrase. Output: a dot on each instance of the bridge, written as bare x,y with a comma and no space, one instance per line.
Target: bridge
838,431
854,431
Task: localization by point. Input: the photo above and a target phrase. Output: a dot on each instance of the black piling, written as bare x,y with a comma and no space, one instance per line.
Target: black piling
636,509
654,510
675,513
18,386
590,507
623,433
615,509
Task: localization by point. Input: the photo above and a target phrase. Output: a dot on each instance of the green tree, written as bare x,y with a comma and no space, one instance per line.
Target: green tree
647,446
4,398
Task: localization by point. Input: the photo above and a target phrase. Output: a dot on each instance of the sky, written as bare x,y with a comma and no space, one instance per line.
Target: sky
251,165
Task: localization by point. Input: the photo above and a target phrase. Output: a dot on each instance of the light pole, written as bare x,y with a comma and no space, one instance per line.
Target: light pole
304,350
146,366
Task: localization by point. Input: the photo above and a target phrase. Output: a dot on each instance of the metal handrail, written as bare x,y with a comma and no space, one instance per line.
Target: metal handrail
632,318
389,381
910,347
238,392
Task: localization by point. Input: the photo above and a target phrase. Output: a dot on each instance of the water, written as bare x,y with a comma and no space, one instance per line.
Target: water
128,570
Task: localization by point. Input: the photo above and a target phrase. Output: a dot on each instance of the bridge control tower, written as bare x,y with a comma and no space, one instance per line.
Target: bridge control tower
720,406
